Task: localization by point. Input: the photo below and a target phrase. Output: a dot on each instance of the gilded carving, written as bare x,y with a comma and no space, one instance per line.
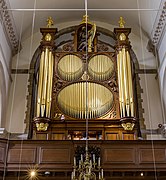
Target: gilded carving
42,126
128,126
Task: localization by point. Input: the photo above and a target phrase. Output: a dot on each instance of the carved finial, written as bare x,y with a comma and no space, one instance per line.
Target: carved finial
50,22
85,19
121,22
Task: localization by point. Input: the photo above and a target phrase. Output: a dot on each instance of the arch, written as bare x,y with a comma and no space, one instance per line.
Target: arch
163,92
2,96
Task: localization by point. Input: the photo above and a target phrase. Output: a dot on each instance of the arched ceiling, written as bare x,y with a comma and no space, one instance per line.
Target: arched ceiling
135,12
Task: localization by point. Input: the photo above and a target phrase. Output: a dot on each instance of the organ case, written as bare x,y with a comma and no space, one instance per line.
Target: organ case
85,83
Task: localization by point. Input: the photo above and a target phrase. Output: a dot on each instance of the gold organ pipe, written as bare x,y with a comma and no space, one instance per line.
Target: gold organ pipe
130,84
43,104
119,82
122,83
51,79
49,85
126,82
40,83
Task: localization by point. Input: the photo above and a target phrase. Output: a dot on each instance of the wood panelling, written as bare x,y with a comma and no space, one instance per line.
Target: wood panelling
112,136
22,156
128,136
41,136
55,155
58,136
152,155
115,155
2,154
119,155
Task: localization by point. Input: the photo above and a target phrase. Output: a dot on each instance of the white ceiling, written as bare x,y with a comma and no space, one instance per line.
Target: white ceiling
107,11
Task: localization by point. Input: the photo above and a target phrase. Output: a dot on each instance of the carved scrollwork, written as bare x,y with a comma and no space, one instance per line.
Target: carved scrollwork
102,47
68,47
58,84
113,84
113,115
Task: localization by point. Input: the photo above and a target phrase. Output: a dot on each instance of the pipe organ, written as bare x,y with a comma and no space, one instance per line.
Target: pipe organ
84,82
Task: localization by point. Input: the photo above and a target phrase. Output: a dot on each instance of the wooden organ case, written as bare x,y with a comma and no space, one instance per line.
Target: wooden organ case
84,82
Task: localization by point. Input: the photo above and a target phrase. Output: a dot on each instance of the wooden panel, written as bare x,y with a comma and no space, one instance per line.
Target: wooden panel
55,155
2,152
112,136
58,136
41,136
119,156
128,136
22,156
149,156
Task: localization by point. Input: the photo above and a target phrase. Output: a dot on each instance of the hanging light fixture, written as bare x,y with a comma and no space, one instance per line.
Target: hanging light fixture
87,167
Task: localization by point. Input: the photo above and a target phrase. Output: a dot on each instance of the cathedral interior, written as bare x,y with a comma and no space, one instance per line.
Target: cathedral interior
82,90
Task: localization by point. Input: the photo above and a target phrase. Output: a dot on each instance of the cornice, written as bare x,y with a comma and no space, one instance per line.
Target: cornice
159,24
9,26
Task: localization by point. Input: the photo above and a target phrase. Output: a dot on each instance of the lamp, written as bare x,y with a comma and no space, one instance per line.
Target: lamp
87,167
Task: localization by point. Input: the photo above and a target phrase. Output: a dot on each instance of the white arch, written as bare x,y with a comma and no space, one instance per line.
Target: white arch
164,91
2,97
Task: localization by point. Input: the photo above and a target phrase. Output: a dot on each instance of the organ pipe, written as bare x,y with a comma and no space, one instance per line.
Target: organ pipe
76,102
44,92
125,83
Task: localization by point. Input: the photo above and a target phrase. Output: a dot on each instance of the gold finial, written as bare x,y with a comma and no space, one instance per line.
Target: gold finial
50,22
121,22
85,19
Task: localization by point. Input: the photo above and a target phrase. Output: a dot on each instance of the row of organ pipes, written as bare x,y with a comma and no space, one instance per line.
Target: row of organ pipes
44,94
125,83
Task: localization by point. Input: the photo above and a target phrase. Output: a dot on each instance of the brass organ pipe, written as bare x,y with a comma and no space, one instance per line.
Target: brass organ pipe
119,82
49,87
122,83
48,84
82,100
126,83
130,85
43,105
100,69
70,66
40,84
90,102
51,79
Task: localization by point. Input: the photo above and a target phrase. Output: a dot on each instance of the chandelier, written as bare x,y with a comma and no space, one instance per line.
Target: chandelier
87,167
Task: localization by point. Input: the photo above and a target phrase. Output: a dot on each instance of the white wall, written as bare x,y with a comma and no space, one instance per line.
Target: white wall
148,82
162,71
5,79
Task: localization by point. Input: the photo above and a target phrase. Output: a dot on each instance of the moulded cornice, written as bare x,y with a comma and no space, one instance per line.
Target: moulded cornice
8,23
159,24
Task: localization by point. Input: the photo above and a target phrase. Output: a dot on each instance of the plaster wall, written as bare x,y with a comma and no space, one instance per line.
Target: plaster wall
5,79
